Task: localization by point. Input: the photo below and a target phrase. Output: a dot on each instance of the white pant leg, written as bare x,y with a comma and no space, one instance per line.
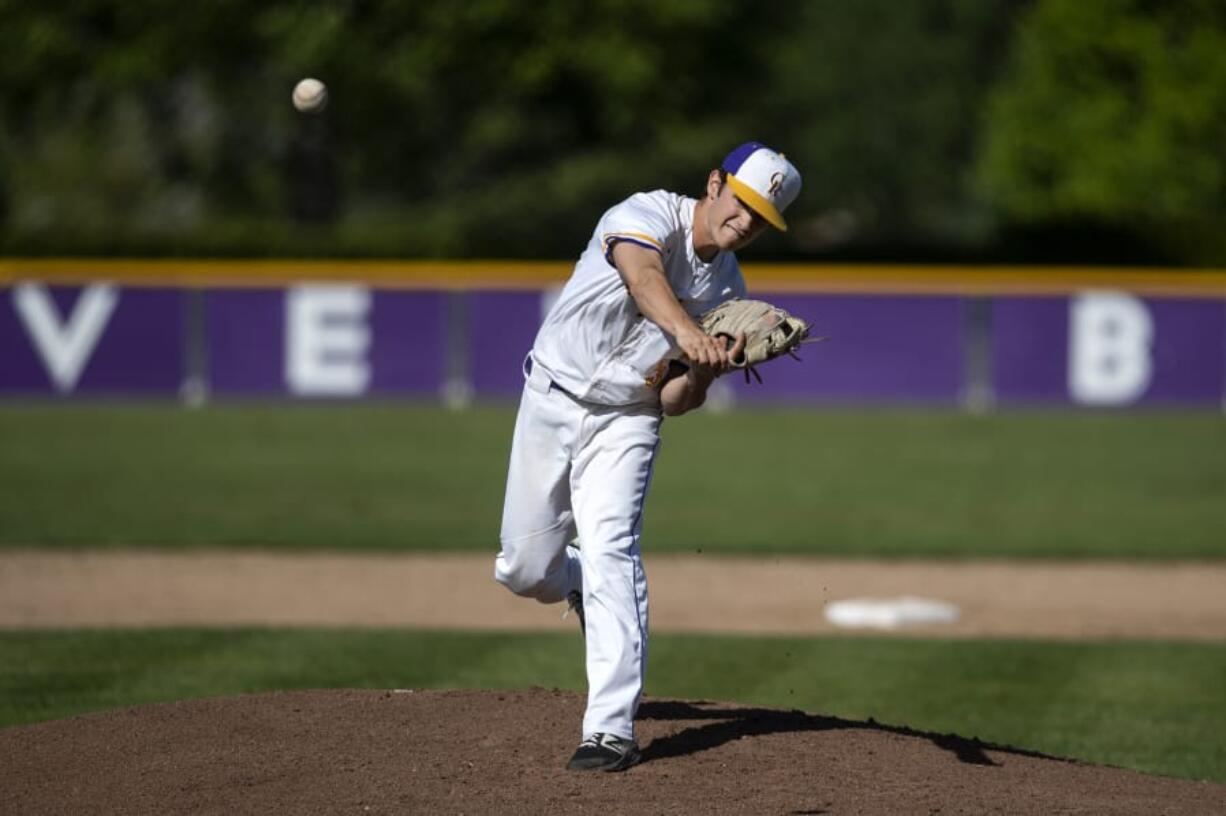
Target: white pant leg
609,483
537,520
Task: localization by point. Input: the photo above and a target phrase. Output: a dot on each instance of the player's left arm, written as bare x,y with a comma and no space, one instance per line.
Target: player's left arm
685,387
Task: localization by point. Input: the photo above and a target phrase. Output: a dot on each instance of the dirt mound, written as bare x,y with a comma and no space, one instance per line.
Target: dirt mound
503,751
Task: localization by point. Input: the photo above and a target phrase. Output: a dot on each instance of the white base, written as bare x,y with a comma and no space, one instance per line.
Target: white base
889,613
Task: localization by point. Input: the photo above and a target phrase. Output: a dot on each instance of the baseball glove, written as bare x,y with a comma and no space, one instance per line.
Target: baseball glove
770,332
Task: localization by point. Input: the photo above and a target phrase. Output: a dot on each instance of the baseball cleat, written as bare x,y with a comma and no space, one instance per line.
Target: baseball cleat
574,603
605,752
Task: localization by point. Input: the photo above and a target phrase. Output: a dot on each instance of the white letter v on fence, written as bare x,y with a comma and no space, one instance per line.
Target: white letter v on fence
65,348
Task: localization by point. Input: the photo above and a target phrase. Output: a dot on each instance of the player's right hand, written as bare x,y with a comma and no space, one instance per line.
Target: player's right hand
702,349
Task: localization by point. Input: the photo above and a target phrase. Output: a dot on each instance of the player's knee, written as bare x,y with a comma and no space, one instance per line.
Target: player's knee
520,576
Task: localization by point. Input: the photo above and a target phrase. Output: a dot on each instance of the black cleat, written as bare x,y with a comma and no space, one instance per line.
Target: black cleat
605,752
574,603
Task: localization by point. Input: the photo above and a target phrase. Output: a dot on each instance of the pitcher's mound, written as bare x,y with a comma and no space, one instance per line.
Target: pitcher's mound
503,752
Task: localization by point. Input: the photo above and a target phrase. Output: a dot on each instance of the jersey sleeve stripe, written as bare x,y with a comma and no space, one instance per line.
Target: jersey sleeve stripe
645,241
641,238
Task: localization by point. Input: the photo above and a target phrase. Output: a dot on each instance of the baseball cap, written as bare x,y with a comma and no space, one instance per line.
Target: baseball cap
763,179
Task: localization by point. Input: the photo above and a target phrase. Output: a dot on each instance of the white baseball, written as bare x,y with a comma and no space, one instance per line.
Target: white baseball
310,95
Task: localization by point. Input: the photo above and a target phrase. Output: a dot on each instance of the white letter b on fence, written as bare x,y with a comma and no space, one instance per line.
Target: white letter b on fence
1111,338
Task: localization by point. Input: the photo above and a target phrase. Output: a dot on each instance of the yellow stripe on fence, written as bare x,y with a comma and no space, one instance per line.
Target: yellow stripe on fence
984,280
461,275
266,273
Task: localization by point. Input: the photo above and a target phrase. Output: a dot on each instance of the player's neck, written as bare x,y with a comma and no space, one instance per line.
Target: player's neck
704,244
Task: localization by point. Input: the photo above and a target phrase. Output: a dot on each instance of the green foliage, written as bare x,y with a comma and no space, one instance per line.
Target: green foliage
882,97
1111,110
1150,706
463,129
408,476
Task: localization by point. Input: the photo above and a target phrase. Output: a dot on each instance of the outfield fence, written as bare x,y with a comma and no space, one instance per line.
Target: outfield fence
975,337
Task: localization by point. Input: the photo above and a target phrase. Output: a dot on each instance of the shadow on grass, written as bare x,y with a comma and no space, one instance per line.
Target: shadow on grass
728,724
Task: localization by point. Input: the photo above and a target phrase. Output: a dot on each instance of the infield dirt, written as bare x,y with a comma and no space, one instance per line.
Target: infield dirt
724,595
373,752
370,752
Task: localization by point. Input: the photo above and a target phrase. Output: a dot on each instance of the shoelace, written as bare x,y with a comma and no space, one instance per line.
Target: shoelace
601,740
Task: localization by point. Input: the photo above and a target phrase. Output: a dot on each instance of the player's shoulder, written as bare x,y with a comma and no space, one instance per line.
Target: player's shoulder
659,206
657,199
655,219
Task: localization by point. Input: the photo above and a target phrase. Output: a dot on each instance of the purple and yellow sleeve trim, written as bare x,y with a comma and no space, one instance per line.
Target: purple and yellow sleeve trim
611,239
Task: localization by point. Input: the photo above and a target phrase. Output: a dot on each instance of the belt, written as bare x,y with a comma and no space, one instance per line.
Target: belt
539,380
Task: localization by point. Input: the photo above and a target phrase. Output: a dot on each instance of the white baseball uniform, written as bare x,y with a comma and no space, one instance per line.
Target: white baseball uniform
586,438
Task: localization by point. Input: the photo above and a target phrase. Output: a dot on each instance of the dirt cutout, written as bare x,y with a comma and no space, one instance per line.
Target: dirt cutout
380,752
1068,600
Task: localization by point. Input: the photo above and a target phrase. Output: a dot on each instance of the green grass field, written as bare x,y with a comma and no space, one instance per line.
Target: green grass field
843,483
393,477
1150,706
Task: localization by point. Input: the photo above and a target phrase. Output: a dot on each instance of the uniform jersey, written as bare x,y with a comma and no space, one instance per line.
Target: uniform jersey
594,343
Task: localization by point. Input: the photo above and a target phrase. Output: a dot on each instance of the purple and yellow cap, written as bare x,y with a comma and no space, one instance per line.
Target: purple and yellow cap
763,179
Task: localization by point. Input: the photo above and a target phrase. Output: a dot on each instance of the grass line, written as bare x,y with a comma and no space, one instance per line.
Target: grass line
412,476
1154,707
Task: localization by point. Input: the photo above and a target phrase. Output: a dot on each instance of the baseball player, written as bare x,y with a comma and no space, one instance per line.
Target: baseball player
619,350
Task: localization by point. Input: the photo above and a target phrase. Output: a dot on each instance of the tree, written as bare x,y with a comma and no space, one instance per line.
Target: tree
881,99
1111,111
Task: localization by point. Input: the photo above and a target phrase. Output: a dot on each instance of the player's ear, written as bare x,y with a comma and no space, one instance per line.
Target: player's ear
715,183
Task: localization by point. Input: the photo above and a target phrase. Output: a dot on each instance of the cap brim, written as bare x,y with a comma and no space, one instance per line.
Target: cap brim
756,202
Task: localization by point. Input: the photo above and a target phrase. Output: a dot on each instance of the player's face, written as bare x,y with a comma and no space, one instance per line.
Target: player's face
733,225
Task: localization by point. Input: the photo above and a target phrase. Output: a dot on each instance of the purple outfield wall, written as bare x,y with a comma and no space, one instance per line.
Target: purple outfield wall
1108,348
879,348
1094,348
324,341
98,339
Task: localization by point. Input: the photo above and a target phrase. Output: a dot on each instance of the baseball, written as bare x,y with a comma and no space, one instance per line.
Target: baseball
310,95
